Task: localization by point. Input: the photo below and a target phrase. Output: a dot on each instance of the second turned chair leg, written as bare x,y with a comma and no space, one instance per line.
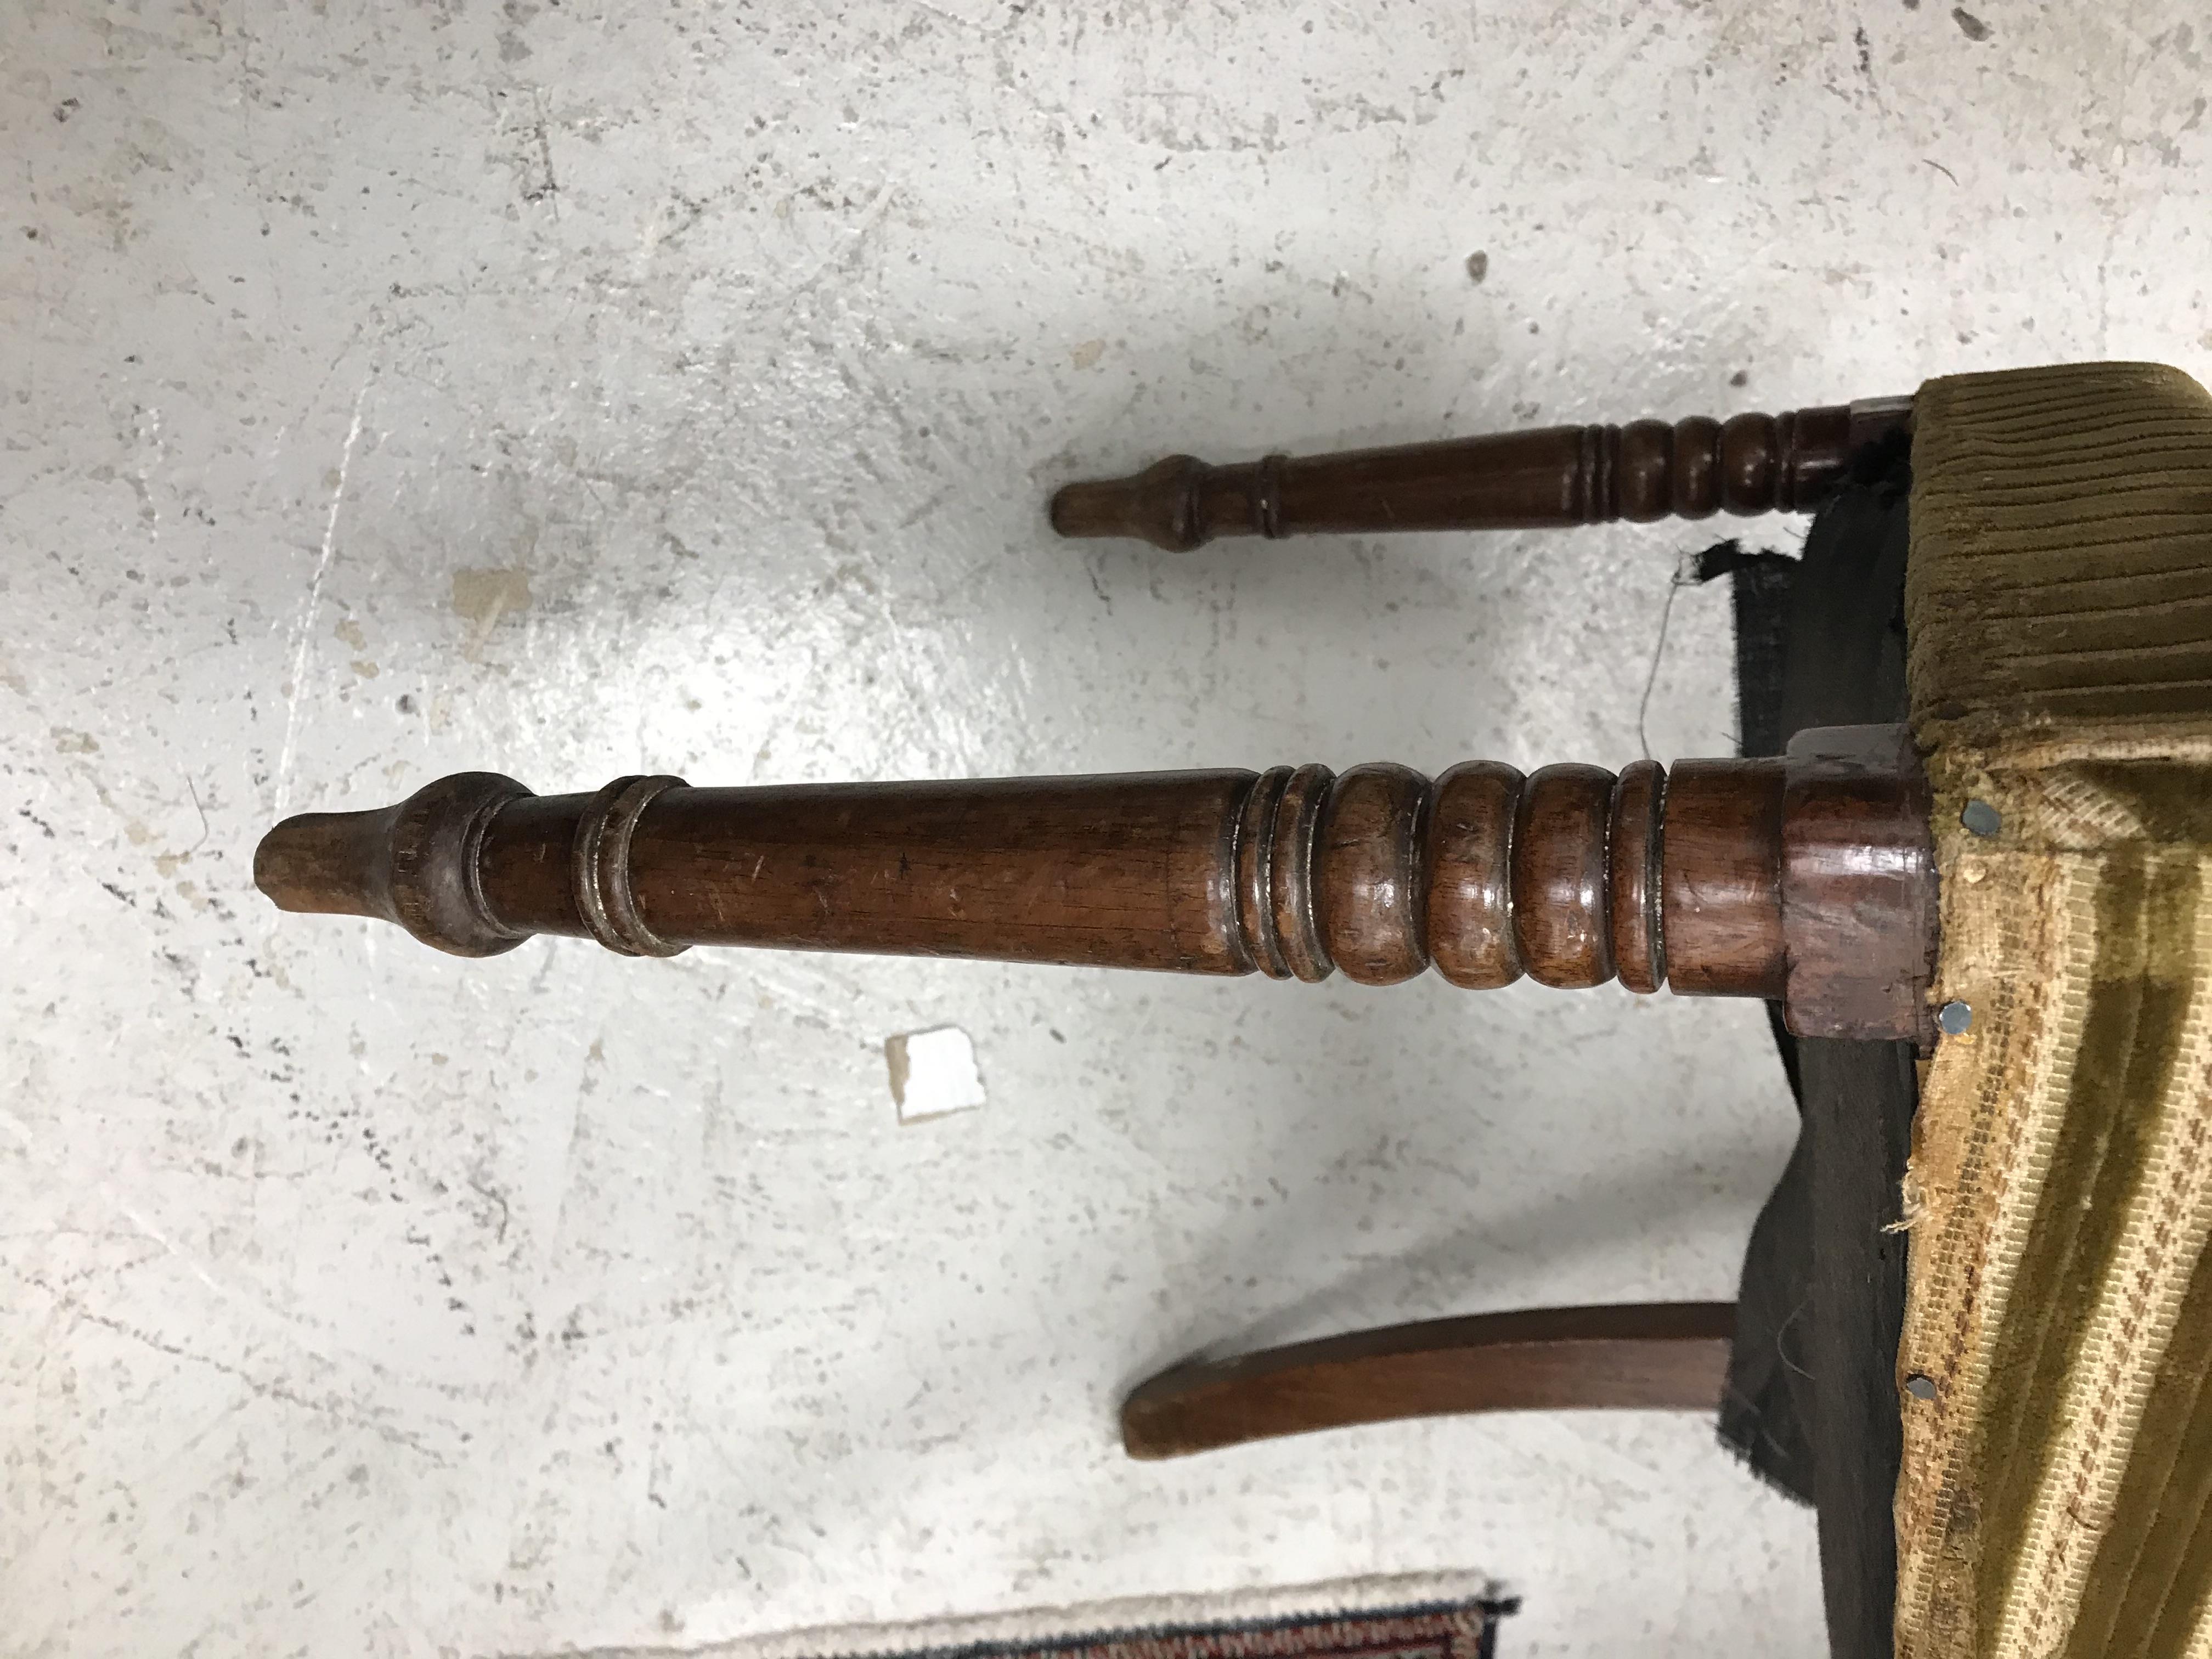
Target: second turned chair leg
1664,1356
1547,478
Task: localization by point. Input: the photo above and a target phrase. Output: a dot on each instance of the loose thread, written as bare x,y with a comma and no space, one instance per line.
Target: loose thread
1682,579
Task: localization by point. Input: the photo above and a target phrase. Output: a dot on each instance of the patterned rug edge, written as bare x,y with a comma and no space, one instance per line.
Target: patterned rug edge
1122,1619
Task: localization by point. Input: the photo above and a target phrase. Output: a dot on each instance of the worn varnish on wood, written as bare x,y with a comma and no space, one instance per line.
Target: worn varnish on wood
1549,478
1806,879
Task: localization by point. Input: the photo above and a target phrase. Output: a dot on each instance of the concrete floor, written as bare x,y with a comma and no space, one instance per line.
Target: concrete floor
580,389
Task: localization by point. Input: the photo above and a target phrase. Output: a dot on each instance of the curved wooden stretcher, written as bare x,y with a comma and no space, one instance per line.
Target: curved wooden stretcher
1667,1356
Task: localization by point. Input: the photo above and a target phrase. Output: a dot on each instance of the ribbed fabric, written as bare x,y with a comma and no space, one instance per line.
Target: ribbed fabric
2055,1492
2061,544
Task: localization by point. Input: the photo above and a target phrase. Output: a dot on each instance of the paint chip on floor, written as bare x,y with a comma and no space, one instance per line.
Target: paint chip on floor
933,1073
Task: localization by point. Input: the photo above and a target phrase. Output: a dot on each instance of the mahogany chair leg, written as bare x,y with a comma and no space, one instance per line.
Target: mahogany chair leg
1809,879
1666,1356
1545,479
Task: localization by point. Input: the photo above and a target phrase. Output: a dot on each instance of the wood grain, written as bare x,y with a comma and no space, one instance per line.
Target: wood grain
1664,1356
1370,884
1720,879
1470,870
1561,888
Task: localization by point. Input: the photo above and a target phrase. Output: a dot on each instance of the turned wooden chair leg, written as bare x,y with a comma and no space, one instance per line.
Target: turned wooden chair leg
1667,1356
1545,479
1806,878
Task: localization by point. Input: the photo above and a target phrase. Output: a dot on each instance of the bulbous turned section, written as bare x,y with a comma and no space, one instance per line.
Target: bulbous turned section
1551,477
1159,505
1807,880
414,864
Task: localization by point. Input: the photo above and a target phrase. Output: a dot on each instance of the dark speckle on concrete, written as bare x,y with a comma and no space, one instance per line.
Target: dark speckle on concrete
1969,25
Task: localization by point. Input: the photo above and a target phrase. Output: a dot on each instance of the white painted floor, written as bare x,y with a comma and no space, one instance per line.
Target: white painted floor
585,388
